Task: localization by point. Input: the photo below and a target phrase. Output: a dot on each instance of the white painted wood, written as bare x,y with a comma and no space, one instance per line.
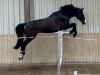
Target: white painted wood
75,72
60,51
12,14
1,17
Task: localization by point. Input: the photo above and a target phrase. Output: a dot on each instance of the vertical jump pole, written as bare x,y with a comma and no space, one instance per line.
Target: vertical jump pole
60,49
75,72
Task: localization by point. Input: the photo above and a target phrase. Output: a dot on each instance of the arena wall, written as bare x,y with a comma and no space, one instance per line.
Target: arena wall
79,54
43,50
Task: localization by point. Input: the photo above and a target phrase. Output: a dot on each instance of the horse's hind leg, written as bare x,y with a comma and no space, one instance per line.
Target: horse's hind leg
20,33
19,42
23,46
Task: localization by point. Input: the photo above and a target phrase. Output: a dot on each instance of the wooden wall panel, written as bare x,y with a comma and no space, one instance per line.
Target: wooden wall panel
43,50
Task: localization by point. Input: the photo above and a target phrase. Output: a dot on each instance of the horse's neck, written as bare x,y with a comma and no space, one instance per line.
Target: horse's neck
57,13
69,14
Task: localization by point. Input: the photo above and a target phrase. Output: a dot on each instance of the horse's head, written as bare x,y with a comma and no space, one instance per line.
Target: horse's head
79,15
71,11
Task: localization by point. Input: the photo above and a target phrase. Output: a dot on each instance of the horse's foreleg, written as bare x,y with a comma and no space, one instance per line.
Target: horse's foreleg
73,31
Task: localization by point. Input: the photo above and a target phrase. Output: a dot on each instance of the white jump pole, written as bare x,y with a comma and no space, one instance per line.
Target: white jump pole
60,50
75,72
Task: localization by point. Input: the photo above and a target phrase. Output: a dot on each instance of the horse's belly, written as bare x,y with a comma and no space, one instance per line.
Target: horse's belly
49,27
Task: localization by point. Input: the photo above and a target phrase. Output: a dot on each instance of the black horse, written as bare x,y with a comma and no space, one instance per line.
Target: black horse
57,21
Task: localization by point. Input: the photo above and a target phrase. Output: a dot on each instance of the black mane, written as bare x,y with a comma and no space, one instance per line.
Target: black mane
64,11
69,7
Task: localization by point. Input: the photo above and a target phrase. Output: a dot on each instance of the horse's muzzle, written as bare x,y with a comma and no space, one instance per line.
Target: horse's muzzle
84,22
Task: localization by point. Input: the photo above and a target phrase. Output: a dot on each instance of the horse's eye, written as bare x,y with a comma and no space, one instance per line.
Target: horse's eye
80,12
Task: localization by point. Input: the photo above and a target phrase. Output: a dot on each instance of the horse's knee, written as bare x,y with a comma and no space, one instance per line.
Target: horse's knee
71,32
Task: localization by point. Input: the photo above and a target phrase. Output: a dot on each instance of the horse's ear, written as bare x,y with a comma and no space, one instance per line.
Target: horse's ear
71,5
79,9
82,8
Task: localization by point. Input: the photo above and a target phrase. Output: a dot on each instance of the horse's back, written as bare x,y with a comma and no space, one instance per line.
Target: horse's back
47,25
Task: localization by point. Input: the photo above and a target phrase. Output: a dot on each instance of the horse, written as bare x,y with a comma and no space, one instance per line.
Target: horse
57,21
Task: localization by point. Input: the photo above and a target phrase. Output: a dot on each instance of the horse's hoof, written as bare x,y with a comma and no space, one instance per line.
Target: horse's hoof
16,47
20,58
74,35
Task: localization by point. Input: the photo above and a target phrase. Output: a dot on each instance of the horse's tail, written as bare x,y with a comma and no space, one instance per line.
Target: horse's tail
19,33
20,29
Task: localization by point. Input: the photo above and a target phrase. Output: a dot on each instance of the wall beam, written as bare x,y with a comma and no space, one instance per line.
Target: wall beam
27,10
